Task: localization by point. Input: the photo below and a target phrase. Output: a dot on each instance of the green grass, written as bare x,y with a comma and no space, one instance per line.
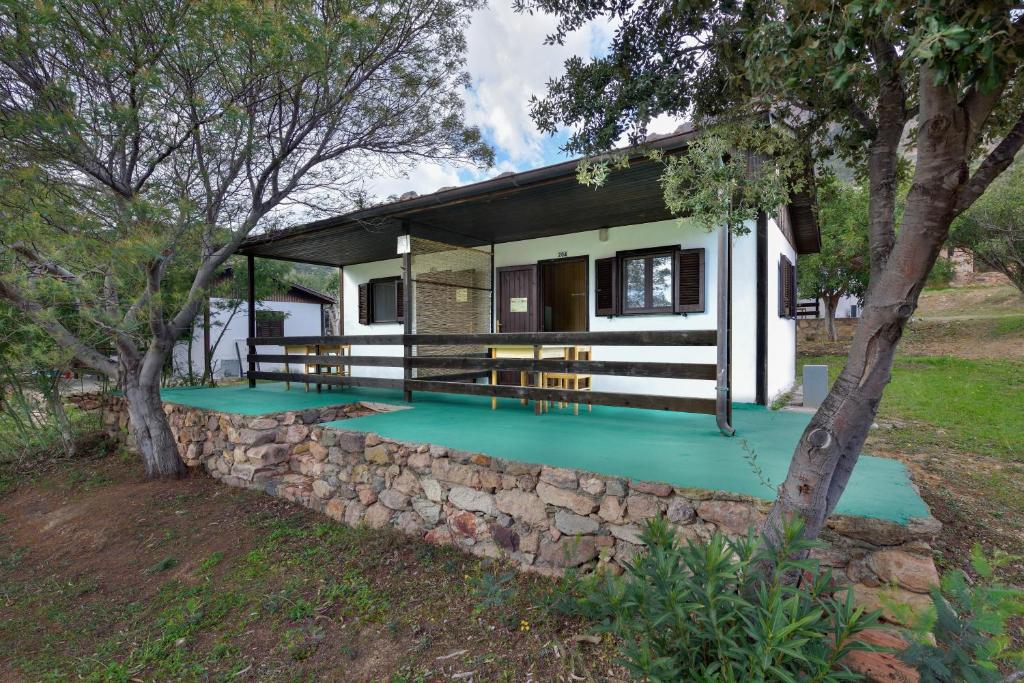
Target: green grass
1011,325
974,406
302,578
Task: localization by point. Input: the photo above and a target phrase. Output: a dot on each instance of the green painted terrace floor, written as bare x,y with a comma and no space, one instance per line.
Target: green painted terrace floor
681,449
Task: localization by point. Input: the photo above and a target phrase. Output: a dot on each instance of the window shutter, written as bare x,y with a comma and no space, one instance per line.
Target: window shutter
689,278
606,286
787,288
400,301
364,304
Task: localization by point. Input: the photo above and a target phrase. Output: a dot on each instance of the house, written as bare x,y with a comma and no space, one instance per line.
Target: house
290,309
540,257
849,306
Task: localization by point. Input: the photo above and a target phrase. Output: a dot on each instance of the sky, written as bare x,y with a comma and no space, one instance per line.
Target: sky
508,62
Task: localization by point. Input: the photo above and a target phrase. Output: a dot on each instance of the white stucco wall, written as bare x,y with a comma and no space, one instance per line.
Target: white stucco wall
353,276
781,331
301,319
659,234
663,233
843,308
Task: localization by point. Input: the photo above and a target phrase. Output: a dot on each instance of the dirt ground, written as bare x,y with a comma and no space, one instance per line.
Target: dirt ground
979,319
106,576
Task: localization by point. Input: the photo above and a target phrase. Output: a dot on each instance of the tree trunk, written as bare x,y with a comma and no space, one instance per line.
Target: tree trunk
831,303
149,426
60,418
830,445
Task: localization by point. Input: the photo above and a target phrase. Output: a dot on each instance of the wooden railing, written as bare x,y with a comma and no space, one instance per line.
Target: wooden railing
476,363
808,308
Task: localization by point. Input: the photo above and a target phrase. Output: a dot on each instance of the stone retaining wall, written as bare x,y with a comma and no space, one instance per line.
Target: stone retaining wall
813,329
543,519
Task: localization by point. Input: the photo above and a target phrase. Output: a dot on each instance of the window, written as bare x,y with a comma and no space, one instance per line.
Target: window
647,283
663,280
269,323
381,301
787,288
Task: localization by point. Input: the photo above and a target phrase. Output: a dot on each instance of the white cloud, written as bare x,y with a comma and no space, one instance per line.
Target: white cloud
507,62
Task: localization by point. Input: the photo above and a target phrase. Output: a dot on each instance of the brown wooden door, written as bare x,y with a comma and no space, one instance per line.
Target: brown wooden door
517,307
517,299
563,292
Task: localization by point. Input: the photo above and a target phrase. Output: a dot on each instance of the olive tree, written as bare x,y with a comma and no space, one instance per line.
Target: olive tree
993,229
854,79
841,267
141,141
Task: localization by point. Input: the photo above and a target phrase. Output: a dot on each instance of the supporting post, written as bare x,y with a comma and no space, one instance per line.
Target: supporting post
341,301
251,263
494,311
722,388
408,312
207,361
761,373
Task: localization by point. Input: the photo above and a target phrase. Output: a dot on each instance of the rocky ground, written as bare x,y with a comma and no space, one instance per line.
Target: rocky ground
105,576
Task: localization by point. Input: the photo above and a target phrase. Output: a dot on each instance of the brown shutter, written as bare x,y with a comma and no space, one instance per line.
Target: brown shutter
787,288
400,300
364,304
606,286
689,278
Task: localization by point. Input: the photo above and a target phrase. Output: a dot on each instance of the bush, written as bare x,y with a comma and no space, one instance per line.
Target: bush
725,611
965,638
941,274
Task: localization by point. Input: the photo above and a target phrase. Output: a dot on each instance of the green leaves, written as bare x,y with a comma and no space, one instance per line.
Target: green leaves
710,611
842,266
967,637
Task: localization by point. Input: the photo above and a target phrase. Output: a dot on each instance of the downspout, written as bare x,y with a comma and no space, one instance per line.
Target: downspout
722,394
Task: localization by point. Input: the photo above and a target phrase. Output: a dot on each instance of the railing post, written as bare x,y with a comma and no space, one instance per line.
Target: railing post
722,387
408,313
251,263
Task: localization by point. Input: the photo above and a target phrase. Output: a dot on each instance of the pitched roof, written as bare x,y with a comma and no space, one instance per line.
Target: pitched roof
510,207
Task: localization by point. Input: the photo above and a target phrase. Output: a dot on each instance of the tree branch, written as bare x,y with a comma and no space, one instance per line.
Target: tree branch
62,335
995,163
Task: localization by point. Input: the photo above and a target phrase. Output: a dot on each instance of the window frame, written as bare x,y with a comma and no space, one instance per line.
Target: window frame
371,289
648,255
276,317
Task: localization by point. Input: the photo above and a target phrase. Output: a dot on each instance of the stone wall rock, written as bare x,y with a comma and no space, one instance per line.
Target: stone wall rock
544,519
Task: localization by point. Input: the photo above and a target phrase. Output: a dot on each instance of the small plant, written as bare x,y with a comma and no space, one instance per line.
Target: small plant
941,274
968,626
162,566
493,590
300,609
725,610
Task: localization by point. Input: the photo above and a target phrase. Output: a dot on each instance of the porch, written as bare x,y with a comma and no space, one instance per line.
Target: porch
682,449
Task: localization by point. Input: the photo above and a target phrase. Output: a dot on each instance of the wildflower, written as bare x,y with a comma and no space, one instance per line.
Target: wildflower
524,625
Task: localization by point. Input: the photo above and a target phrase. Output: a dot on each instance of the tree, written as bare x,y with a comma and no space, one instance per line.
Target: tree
852,80
993,229
32,366
143,141
841,267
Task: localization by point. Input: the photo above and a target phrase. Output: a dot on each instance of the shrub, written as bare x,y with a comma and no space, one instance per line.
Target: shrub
941,274
725,610
966,638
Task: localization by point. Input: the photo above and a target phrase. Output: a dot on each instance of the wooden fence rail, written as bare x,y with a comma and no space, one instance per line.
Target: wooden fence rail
474,362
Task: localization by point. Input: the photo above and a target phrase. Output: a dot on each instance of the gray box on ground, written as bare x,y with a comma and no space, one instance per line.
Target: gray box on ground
815,385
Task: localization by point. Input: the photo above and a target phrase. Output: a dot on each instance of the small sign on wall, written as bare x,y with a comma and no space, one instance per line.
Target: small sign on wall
462,295
518,304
